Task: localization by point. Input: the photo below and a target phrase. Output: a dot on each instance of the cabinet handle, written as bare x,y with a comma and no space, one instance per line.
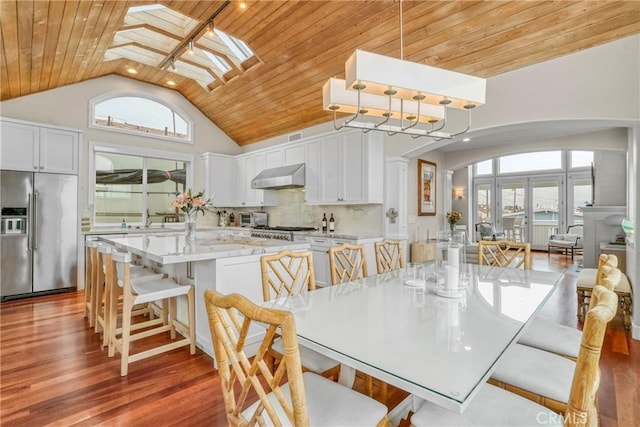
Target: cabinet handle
35,167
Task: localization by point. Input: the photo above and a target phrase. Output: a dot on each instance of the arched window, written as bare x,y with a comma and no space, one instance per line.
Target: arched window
140,115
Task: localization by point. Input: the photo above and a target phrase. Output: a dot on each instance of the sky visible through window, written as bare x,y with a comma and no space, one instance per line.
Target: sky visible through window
141,112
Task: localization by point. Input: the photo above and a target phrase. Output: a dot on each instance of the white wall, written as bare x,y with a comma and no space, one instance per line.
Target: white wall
611,178
633,213
68,106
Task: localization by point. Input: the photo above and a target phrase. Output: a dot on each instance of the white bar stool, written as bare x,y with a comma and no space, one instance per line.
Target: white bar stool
145,291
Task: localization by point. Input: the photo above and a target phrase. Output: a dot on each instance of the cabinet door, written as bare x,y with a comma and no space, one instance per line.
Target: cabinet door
218,178
331,170
313,172
241,182
58,151
353,184
320,249
19,147
294,154
272,159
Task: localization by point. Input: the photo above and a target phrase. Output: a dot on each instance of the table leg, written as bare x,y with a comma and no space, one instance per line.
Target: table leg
347,376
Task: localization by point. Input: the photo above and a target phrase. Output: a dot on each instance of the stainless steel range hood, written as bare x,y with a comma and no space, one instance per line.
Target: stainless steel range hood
291,176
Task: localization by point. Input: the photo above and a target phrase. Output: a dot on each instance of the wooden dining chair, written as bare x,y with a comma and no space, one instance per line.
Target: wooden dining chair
589,277
545,377
561,339
388,256
347,262
144,292
291,273
504,253
254,395
497,407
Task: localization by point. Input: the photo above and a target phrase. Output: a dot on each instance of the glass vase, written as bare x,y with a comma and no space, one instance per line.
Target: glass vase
451,275
190,225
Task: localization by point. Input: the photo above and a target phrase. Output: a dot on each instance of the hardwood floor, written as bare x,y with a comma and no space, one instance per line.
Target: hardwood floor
53,372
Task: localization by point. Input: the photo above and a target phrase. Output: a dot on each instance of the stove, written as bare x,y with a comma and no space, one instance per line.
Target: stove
279,233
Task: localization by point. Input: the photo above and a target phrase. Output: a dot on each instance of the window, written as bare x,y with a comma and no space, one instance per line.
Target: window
135,114
581,159
484,168
137,186
529,162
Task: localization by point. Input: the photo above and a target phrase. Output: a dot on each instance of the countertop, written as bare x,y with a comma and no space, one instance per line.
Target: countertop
340,235
171,248
221,230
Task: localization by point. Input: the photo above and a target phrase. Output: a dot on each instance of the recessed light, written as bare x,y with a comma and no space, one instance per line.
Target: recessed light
171,83
132,71
243,5
466,139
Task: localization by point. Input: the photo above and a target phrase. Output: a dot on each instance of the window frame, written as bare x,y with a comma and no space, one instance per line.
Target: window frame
138,94
100,147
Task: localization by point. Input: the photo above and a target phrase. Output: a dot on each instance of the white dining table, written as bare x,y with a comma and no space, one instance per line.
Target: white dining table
440,349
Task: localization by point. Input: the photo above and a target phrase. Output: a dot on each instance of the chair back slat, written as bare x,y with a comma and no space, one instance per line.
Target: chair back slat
347,262
504,253
581,408
245,379
388,256
287,273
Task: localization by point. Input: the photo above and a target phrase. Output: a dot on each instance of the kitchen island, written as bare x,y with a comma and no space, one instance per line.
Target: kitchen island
214,260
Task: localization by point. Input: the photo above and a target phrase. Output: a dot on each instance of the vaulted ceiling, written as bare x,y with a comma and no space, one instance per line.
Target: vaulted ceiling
298,46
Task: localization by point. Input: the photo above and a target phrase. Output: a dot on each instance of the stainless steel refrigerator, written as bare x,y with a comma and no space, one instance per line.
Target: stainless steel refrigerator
39,226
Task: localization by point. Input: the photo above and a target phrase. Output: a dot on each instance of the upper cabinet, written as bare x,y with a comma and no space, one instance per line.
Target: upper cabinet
345,168
247,167
218,178
38,149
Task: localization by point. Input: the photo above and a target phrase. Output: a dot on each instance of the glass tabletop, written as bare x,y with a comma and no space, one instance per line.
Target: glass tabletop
438,348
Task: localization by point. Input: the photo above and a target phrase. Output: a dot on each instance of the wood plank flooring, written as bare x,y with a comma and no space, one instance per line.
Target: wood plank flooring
53,372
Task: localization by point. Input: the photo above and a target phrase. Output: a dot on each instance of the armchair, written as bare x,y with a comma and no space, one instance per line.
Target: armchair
569,241
486,231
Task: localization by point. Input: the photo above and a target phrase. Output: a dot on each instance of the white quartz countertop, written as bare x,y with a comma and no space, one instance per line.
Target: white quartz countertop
171,248
340,235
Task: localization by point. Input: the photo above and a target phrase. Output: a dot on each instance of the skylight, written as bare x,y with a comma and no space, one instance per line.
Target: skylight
218,62
145,8
237,46
158,36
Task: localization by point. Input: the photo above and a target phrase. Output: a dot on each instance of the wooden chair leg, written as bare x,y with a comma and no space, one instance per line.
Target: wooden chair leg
192,319
127,307
581,296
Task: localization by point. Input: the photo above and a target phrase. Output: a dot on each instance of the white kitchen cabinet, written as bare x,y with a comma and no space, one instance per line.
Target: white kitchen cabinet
320,251
345,168
35,148
218,173
273,158
247,167
293,154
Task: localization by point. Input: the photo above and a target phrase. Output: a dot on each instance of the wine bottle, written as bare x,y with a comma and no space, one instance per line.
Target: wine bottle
324,222
332,224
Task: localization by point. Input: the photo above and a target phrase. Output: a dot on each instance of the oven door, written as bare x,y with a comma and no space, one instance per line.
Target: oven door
245,219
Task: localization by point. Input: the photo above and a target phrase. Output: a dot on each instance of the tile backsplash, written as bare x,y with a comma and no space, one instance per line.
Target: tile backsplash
293,211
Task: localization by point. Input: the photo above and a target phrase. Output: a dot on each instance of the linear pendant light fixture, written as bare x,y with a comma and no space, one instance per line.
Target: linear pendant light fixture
403,93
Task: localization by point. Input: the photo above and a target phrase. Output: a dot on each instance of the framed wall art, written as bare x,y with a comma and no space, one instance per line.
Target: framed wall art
426,188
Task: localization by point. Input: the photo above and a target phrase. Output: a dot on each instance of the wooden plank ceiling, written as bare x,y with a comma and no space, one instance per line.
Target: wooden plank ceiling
300,44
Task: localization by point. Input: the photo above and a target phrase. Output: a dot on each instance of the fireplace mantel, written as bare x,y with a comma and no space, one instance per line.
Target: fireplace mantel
601,224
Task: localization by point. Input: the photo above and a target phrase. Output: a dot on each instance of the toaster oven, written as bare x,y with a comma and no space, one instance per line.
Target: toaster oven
253,219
